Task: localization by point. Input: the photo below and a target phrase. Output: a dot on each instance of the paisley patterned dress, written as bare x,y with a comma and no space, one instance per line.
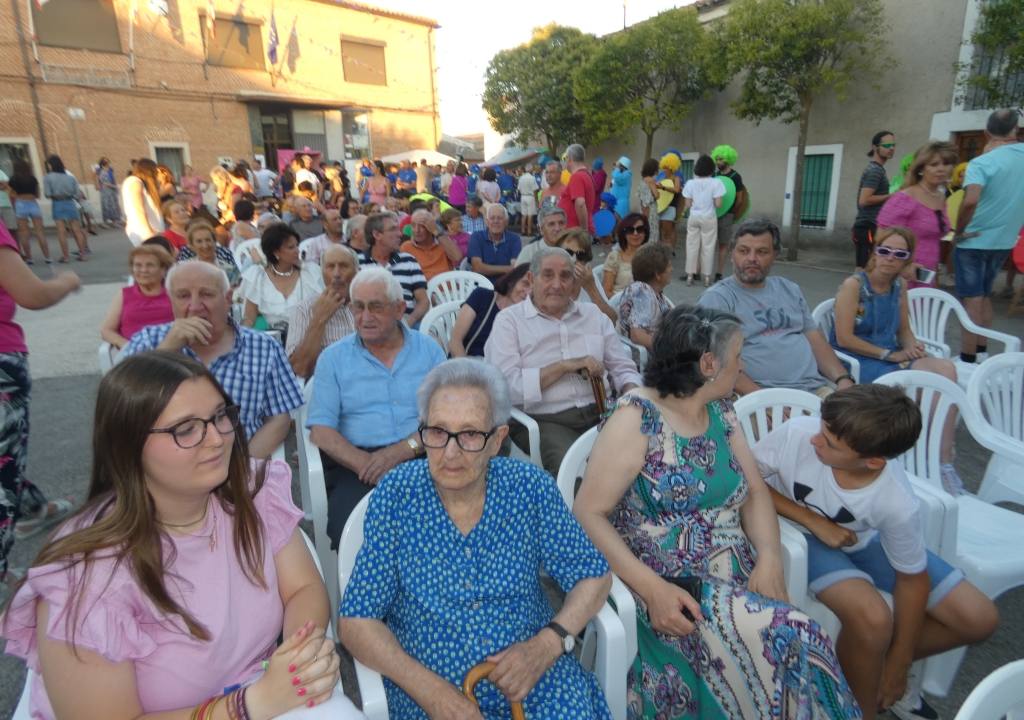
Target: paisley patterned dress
751,657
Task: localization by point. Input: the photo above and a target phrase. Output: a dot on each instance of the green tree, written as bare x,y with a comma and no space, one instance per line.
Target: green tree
528,89
648,76
792,51
997,70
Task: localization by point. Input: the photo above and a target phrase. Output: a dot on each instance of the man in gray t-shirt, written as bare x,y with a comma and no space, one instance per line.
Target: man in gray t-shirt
782,346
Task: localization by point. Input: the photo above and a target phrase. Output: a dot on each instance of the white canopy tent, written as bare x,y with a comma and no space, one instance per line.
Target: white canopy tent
433,157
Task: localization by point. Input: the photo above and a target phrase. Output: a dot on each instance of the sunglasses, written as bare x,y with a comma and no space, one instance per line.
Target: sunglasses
580,255
883,251
635,229
887,146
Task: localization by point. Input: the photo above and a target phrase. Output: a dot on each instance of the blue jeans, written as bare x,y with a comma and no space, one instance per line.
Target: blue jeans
976,270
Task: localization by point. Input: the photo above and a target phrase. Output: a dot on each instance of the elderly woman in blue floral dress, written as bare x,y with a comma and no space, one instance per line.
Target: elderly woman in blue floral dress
448,574
672,495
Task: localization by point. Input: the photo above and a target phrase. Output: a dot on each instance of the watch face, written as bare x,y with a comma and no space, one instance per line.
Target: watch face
569,643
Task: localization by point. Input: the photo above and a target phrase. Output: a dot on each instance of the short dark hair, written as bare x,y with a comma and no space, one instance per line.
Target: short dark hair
650,168
1002,123
504,284
758,226
274,236
306,186
650,261
687,332
475,202
418,204
874,420
489,174
626,223
244,210
162,242
704,167
375,224
448,215
55,163
877,138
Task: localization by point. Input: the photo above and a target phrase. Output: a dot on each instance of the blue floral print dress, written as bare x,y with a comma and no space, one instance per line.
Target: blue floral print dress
452,599
751,657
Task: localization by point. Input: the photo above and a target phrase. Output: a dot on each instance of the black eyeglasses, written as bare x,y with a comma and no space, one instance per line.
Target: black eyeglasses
192,432
469,440
883,251
635,229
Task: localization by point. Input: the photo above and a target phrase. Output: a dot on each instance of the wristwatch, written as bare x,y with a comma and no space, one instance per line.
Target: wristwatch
568,639
845,376
414,445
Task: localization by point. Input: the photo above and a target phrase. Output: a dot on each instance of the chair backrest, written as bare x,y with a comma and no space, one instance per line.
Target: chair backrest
598,271
574,464
455,286
929,311
998,695
935,396
351,541
824,316
765,409
106,356
439,322
996,392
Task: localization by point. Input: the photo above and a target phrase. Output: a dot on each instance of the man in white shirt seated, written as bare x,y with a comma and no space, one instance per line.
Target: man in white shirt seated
548,347
323,319
313,248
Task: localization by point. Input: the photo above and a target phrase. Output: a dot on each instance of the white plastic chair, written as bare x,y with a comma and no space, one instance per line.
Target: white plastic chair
982,539
1000,694
824,317
996,394
439,322
107,357
598,271
929,313
610,636
21,711
455,286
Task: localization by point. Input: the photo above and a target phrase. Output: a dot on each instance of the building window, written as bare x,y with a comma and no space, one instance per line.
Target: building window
81,24
236,43
356,135
363,61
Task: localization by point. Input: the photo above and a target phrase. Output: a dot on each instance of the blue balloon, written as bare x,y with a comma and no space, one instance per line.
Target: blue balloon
604,223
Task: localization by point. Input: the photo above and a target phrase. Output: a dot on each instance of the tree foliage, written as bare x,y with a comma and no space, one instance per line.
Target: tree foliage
528,90
997,70
793,51
650,75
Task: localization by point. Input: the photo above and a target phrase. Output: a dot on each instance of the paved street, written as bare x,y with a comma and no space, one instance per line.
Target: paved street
63,342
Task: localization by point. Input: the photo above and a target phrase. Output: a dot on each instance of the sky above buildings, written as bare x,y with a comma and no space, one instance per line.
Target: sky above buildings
472,32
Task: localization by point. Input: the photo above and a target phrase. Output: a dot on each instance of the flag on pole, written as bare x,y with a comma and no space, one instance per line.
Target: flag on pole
272,45
211,17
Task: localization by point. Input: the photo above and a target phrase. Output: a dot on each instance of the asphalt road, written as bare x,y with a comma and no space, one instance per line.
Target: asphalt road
63,342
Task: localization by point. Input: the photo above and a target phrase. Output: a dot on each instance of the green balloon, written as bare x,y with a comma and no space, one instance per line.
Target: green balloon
427,197
729,199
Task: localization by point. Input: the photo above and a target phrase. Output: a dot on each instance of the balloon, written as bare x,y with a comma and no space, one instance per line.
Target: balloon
953,205
666,191
604,223
407,231
565,177
427,197
729,199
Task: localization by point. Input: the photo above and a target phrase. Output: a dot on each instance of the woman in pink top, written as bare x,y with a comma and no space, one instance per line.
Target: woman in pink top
194,186
193,566
21,502
459,188
920,206
143,303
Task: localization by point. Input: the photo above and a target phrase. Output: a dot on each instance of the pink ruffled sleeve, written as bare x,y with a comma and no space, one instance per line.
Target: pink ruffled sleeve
275,506
114,619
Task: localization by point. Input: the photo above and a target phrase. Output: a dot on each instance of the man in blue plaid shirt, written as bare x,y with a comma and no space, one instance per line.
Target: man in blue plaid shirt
250,365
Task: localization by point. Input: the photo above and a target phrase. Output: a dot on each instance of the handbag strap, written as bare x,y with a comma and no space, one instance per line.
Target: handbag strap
479,328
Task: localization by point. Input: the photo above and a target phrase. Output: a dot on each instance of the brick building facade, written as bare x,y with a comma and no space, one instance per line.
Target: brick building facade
176,85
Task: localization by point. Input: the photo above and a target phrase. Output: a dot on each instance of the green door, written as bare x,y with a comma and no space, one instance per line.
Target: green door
816,191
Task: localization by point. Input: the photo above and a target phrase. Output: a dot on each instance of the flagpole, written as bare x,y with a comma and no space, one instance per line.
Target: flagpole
29,75
32,31
132,11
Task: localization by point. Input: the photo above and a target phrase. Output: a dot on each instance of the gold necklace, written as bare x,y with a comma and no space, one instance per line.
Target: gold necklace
213,529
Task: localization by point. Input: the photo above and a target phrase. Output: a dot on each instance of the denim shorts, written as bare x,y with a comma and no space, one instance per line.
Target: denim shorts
976,270
826,566
65,210
25,209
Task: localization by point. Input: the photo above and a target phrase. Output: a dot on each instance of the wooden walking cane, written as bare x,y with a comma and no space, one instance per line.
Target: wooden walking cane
478,673
597,387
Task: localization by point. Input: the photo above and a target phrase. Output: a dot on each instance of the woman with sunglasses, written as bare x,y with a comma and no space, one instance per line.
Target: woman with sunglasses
167,592
872,323
578,243
920,206
633,231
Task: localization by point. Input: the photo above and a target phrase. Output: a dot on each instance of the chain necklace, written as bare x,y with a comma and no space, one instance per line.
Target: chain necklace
282,274
213,529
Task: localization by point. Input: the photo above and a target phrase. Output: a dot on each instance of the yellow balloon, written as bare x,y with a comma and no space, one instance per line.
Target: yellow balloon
953,203
565,177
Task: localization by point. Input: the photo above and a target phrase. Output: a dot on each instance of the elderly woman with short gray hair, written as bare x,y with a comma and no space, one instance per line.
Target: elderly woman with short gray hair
448,575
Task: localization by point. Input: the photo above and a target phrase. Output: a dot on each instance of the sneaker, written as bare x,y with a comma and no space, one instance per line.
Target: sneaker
951,481
689,280
914,708
982,357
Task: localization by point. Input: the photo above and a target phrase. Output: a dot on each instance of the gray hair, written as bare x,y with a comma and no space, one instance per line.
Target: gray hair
545,252
211,269
548,211
375,224
373,275
356,222
345,250
757,226
469,373
556,163
575,153
491,206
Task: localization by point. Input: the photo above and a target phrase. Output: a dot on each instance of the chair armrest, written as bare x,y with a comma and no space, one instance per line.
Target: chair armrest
533,431
933,496
853,362
935,348
625,607
371,690
794,560
612,662
1010,343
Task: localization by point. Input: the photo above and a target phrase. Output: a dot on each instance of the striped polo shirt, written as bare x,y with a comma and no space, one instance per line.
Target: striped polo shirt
404,267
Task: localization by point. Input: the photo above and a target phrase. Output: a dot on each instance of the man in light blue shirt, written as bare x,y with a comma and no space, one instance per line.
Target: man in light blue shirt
990,219
363,413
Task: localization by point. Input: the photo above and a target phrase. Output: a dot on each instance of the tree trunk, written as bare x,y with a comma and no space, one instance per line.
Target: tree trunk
649,147
798,181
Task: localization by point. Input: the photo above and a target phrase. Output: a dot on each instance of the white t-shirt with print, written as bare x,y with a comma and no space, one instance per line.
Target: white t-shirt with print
887,507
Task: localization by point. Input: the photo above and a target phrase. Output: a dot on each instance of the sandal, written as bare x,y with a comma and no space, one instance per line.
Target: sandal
53,513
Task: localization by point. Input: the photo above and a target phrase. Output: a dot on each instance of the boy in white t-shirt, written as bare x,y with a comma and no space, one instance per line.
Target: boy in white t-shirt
864,534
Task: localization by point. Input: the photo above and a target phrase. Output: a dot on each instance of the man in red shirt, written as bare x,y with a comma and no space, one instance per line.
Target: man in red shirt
578,200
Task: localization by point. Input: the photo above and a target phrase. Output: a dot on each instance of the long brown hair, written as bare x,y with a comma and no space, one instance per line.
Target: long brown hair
145,170
118,520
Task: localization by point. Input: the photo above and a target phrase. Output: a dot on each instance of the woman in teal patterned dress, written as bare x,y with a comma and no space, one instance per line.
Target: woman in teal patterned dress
672,490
